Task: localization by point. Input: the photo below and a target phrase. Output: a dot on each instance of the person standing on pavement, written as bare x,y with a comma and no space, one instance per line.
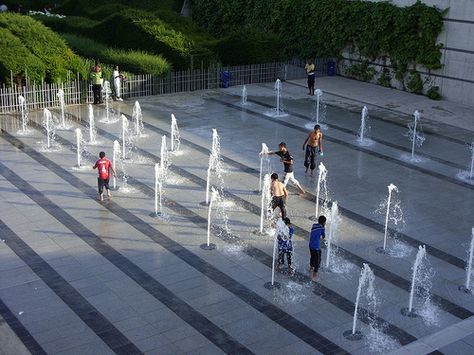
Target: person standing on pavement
118,80
287,161
96,79
315,145
310,71
317,233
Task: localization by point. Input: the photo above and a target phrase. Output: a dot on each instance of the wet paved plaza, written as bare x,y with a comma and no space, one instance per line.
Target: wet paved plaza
80,276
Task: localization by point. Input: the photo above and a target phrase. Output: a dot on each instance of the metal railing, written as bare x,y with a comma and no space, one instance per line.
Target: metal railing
44,95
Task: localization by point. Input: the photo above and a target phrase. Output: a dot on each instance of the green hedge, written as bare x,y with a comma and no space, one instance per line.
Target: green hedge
160,32
324,28
69,24
133,61
15,57
174,37
48,47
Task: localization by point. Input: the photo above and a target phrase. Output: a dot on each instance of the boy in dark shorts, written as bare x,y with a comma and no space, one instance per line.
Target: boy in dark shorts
279,195
287,160
317,233
285,246
103,165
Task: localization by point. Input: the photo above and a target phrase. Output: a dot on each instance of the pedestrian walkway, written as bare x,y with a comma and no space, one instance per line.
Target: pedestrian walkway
346,92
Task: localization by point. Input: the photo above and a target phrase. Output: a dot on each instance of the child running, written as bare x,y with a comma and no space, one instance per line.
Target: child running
103,165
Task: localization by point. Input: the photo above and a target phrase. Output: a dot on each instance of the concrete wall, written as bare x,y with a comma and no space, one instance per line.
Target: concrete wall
456,78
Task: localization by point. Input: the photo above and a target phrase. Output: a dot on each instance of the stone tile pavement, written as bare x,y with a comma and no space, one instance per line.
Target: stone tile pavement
79,276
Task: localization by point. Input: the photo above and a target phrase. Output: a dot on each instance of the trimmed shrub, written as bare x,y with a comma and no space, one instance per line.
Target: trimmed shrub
143,30
138,62
43,43
70,24
249,46
15,57
84,46
133,61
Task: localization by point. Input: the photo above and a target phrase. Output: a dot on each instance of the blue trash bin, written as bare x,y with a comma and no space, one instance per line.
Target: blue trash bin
331,68
225,78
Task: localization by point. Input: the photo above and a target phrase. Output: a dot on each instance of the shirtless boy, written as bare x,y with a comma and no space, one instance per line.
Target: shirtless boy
315,144
279,195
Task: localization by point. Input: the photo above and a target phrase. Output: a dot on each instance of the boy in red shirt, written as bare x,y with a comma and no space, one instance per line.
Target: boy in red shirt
103,165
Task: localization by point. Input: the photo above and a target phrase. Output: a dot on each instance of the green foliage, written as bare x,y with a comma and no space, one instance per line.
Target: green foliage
385,78
70,24
249,46
135,29
15,57
325,28
415,84
433,93
361,71
136,62
48,47
90,7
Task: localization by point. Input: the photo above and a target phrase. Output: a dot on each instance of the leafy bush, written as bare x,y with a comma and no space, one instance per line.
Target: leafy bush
15,57
48,47
361,71
385,78
433,93
415,84
133,61
249,46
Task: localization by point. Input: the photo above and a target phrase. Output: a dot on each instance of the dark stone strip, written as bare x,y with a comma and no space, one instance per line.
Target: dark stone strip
380,141
203,325
402,114
104,329
21,332
438,253
458,50
384,274
319,290
285,320
459,20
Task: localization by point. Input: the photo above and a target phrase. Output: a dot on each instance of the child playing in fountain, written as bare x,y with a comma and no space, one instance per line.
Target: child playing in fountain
103,165
285,246
287,160
315,142
317,233
279,195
